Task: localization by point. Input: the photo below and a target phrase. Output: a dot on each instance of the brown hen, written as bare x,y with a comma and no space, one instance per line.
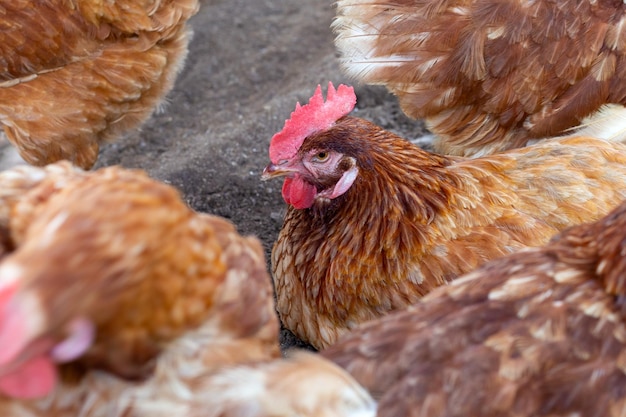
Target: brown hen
489,75
116,299
76,73
539,333
374,222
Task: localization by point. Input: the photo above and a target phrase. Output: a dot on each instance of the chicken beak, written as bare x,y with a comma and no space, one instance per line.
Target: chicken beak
275,171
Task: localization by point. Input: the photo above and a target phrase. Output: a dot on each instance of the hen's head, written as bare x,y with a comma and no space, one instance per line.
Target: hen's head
105,273
314,168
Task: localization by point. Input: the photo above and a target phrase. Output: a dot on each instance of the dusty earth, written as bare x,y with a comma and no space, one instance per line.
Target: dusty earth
248,64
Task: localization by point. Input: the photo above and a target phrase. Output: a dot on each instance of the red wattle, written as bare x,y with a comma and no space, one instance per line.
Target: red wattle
298,192
33,379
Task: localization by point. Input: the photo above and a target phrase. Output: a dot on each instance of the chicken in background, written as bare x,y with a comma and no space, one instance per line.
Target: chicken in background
488,75
538,333
117,299
374,222
74,74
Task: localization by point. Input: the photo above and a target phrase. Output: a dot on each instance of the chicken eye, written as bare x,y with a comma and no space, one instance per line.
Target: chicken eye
321,156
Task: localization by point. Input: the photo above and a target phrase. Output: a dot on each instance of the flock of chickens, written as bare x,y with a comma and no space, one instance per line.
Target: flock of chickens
487,279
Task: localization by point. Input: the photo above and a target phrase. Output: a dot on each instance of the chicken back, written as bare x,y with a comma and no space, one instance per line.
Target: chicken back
538,333
489,75
76,73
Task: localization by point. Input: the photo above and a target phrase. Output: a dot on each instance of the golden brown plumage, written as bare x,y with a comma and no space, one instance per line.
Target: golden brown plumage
179,305
76,73
489,75
411,221
539,333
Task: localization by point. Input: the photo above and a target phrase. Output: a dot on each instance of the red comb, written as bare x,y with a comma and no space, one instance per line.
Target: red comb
310,118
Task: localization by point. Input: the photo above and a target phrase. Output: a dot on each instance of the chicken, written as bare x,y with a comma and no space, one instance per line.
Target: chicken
489,75
541,332
74,74
374,222
116,299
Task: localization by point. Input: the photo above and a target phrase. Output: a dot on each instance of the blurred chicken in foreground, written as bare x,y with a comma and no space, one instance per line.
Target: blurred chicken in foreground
489,75
116,299
374,222
539,333
76,73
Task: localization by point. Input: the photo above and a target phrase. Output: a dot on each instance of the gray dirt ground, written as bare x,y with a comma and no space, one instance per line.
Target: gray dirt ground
248,64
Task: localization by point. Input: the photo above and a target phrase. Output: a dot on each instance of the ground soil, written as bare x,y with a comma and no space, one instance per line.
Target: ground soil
249,62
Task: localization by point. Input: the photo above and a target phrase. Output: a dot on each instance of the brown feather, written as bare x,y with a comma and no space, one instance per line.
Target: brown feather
539,333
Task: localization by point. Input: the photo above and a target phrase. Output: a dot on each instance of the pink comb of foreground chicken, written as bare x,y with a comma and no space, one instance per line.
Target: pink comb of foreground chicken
27,358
